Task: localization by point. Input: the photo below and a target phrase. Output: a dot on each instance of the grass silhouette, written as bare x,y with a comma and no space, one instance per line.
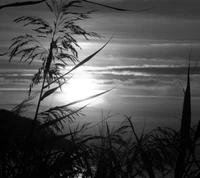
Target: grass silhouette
38,148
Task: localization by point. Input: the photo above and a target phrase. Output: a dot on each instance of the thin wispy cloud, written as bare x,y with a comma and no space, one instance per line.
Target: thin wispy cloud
13,81
145,70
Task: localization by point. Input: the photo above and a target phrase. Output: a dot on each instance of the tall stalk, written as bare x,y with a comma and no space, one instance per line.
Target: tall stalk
47,67
185,138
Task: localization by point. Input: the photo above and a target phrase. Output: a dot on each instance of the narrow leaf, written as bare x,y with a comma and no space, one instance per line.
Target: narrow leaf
79,64
88,98
185,140
49,6
2,54
49,92
115,8
21,4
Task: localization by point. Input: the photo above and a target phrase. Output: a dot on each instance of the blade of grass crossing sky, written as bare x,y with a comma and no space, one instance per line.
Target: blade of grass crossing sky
115,8
63,107
49,92
25,3
80,64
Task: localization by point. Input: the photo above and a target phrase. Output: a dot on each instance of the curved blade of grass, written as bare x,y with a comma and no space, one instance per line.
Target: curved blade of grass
80,64
49,92
25,3
115,8
3,54
88,98
45,125
50,123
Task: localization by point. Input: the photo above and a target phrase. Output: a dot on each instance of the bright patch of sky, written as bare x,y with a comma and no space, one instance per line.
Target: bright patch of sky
147,58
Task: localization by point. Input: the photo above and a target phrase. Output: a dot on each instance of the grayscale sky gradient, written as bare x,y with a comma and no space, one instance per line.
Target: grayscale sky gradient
147,59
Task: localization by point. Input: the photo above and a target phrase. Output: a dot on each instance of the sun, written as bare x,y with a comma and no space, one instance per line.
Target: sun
80,86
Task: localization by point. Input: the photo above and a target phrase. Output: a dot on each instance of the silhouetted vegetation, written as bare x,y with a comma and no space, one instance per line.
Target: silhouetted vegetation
38,148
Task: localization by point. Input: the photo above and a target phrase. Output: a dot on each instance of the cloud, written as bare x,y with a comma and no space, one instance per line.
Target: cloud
145,77
149,82
138,82
143,70
177,44
14,81
121,49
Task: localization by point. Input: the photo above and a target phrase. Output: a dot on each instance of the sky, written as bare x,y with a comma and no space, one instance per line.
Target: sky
146,61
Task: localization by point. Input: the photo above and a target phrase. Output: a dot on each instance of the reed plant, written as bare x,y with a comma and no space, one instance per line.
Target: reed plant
27,160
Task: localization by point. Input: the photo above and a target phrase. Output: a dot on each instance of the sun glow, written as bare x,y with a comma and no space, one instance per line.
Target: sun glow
79,87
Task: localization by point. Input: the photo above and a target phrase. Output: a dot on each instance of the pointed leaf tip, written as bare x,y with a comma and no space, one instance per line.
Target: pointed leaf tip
25,3
49,92
115,8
